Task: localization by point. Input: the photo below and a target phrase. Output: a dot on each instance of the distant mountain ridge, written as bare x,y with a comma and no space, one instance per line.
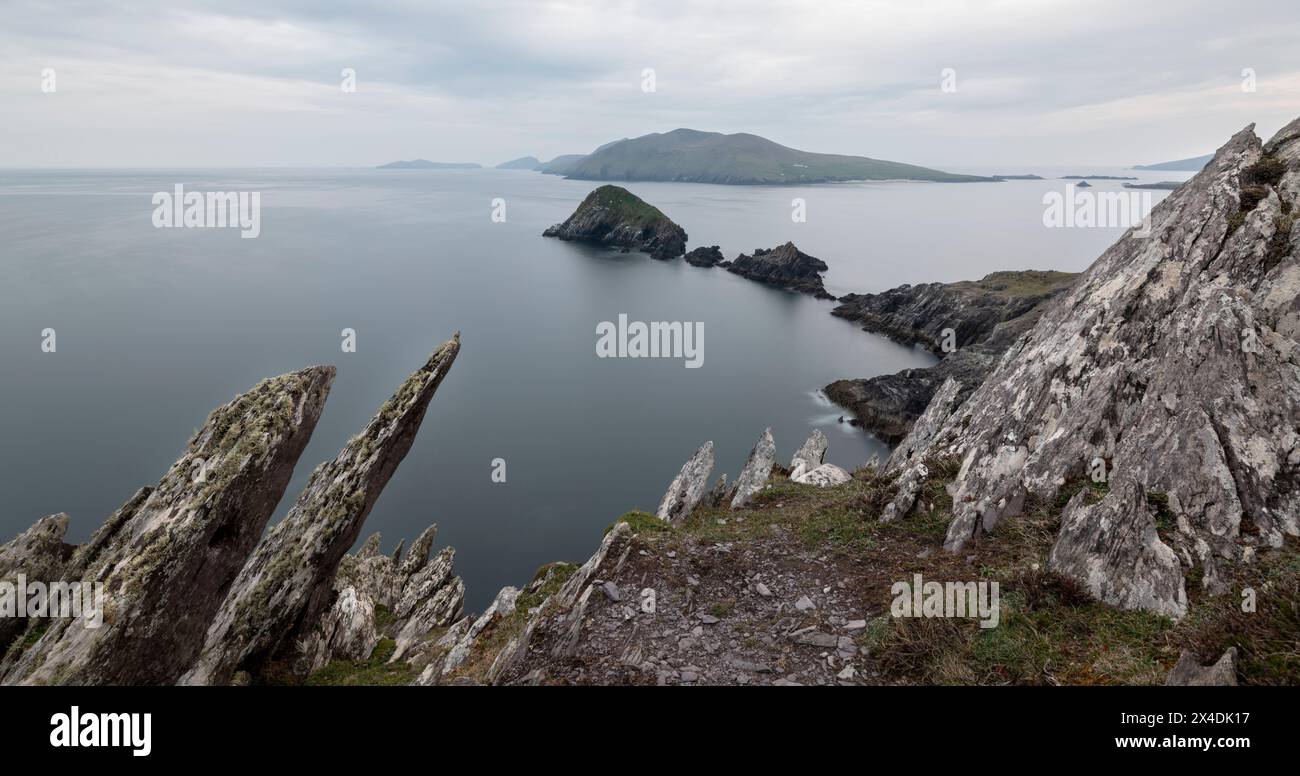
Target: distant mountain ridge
522,163
692,156
1193,164
425,164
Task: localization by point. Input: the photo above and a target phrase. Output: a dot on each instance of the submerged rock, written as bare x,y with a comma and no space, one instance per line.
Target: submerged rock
688,487
286,585
784,266
614,216
166,559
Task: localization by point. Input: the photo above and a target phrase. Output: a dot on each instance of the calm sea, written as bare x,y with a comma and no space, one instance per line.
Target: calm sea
155,327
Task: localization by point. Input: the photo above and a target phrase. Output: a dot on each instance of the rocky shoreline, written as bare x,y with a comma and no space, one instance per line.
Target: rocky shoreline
1127,470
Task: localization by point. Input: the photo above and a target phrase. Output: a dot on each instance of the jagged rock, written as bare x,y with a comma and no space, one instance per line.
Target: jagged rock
813,452
719,494
1170,363
287,583
561,613
397,552
828,475
1188,672
347,631
614,216
705,257
758,468
1113,550
418,556
502,606
784,266
166,559
687,488
443,608
39,554
371,546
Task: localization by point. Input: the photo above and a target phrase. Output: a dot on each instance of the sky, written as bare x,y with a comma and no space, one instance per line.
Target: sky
243,83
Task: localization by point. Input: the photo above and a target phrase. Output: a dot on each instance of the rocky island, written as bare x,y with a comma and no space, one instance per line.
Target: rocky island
614,216
784,266
692,156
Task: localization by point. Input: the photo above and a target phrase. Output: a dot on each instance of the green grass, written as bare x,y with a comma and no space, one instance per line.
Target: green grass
375,671
641,522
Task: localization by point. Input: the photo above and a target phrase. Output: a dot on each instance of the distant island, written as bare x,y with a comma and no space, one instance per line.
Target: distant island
692,156
425,164
561,165
1099,177
1019,177
522,163
1193,164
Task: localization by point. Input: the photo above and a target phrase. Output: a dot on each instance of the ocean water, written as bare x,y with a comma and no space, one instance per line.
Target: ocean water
155,327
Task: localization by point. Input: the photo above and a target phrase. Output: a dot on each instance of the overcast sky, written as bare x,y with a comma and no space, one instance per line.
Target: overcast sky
258,83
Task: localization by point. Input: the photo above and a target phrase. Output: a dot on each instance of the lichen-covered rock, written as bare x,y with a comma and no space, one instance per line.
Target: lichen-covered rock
687,488
1171,364
784,266
614,216
758,468
1189,672
828,475
1112,548
502,606
39,554
287,583
559,621
166,559
813,452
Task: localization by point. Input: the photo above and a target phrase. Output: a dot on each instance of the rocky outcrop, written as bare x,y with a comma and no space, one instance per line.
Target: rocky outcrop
688,487
758,468
888,405
969,325
812,453
828,475
502,606
1169,368
784,266
705,257
38,554
1189,672
616,217
287,584
378,597
167,558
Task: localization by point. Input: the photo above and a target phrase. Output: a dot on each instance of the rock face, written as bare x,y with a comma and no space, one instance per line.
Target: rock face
976,320
705,257
416,594
286,585
39,555
616,217
1170,366
758,468
784,266
688,487
166,559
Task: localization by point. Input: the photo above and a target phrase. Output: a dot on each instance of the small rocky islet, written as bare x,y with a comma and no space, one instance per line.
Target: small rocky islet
786,577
